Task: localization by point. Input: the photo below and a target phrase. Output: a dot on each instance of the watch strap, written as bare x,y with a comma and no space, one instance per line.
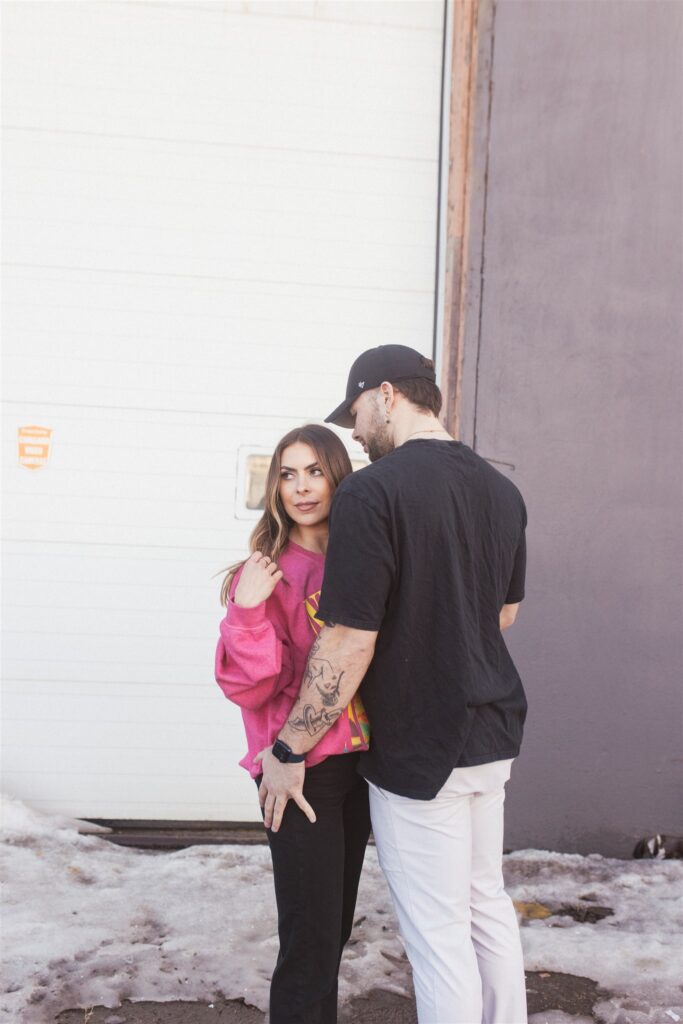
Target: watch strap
284,753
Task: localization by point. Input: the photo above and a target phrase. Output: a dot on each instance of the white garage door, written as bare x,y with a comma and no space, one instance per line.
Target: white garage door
210,209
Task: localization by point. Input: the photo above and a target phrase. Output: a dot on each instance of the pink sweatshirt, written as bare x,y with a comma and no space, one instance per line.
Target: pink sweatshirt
261,656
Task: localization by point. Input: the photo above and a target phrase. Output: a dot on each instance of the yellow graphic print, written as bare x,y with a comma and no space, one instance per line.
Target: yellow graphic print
357,715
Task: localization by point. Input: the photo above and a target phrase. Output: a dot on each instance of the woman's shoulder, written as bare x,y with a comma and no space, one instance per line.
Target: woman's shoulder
302,574
294,556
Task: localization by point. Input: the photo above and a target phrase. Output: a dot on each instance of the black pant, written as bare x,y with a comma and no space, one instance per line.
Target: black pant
316,868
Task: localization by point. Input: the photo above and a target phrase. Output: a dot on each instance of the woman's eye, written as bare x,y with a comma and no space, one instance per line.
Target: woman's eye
316,472
285,476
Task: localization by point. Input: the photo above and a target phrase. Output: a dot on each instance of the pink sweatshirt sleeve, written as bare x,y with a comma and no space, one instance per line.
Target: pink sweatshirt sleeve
248,656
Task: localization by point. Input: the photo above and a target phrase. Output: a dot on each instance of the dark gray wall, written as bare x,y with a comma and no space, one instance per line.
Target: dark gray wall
573,376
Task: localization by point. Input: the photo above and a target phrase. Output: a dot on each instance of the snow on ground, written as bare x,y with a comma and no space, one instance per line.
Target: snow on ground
86,922
636,953
89,923
558,1017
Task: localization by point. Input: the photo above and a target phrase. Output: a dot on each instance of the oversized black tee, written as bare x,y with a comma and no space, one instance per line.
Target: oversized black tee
426,545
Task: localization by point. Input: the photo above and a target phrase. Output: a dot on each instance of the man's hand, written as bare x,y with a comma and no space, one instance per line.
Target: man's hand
280,783
508,615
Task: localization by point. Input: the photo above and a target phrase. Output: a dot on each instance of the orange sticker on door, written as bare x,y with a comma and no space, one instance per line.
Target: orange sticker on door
34,446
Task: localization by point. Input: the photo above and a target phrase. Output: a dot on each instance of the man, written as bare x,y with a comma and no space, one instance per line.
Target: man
425,567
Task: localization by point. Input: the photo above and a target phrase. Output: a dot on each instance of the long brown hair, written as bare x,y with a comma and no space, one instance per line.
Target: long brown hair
271,533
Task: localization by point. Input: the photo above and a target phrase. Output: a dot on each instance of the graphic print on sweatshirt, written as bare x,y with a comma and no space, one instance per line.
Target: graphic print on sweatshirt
359,725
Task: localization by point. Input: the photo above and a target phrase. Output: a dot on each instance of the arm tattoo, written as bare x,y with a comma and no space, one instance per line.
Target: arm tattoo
326,684
311,722
321,674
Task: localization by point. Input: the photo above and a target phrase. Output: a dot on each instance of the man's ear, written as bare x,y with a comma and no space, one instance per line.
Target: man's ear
386,392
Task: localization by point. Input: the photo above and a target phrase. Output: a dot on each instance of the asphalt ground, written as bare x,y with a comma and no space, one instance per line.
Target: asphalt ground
545,991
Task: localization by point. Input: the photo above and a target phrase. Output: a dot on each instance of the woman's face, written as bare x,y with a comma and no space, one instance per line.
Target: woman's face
304,489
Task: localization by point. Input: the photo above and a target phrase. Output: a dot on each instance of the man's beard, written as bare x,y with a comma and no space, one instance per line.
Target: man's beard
380,443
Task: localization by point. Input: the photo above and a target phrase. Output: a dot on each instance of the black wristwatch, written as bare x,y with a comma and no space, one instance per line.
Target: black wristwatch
283,752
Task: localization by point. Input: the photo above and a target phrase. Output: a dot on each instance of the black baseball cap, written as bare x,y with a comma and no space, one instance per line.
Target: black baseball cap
392,363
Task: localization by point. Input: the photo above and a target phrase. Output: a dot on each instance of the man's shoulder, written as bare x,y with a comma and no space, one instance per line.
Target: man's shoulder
497,479
500,491
410,468
367,488
370,481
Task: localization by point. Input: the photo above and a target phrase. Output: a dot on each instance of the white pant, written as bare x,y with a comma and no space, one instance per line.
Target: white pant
442,860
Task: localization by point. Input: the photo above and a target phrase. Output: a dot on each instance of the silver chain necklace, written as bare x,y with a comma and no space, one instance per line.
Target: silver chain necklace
440,430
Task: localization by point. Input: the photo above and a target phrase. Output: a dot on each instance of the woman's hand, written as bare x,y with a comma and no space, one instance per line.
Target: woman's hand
259,579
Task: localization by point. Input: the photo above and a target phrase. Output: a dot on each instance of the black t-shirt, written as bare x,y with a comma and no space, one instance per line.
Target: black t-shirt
426,545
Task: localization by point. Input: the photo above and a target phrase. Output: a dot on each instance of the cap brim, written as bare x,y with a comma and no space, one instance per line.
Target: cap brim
341,417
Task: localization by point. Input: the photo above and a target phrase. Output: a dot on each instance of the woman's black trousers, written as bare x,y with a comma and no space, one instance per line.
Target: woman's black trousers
316,868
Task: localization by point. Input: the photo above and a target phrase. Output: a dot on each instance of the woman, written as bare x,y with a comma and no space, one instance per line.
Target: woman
269,627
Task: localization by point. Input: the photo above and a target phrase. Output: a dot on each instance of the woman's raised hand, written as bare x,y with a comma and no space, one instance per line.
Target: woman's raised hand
259,578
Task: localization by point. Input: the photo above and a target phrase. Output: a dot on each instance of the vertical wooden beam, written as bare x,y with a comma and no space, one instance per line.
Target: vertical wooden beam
461,140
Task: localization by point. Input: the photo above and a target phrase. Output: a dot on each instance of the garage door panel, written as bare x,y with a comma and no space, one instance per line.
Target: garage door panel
199,241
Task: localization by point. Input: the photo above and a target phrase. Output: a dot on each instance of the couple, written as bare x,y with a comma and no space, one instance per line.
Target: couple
363,643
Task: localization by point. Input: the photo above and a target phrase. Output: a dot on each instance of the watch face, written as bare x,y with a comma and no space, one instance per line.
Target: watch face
281,751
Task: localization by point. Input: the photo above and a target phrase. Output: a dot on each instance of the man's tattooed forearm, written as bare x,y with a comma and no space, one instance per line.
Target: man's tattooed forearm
327,681
330,694
312,722
321,683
